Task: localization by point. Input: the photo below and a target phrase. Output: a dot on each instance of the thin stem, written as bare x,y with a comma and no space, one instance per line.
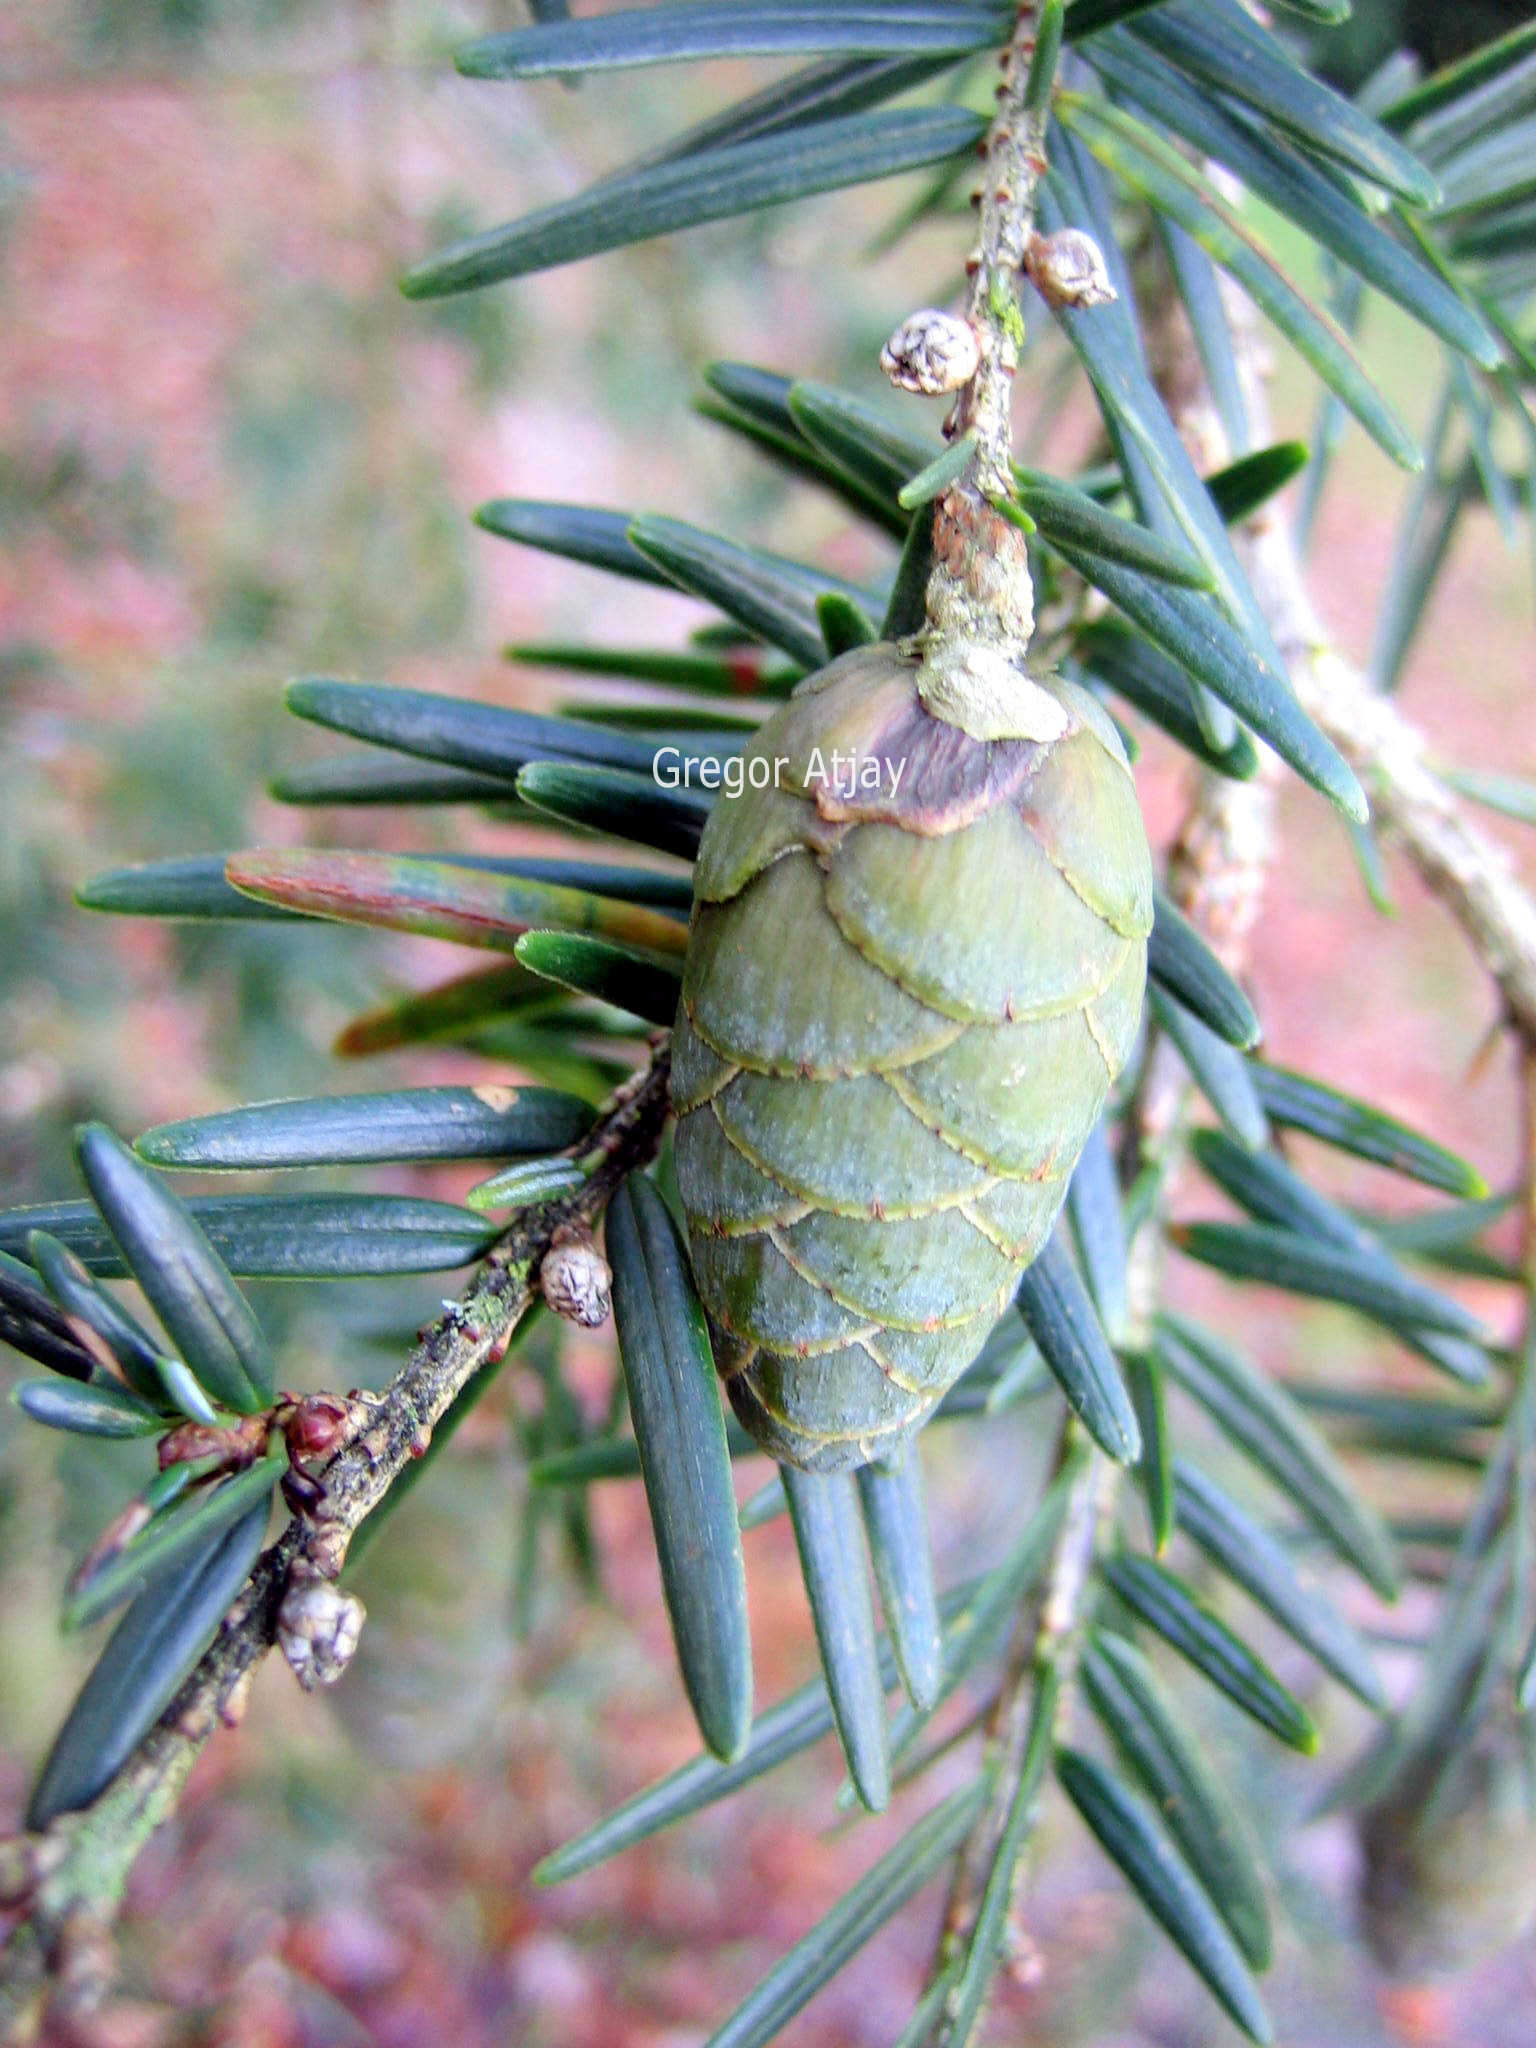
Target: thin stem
986,1870
1014,156
980,601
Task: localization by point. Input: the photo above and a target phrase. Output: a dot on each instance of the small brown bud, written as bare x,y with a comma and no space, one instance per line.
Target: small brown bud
574,1279
317,1629
317,1423
1068,269
931,352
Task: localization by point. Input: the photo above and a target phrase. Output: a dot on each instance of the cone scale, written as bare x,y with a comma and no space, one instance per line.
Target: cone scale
915,969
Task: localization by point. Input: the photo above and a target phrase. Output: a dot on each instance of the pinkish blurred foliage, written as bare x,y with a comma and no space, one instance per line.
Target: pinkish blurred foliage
229,452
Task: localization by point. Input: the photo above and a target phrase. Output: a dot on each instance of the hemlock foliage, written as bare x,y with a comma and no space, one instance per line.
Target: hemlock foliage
1419,191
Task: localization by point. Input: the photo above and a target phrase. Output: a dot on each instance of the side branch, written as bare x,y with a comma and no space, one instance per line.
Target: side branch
1459,863
69,1880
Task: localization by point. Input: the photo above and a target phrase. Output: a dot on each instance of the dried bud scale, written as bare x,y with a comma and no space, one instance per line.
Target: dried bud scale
574,1278
235,1444
982,587
931,353
318,1627
1068,269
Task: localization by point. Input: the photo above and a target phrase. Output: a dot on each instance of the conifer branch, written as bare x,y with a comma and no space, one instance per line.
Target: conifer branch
68,1882
1462,865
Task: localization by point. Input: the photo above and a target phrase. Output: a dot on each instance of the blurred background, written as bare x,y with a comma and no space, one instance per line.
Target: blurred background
231,453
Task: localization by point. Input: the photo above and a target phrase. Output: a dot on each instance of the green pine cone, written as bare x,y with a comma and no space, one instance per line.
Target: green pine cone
916,967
